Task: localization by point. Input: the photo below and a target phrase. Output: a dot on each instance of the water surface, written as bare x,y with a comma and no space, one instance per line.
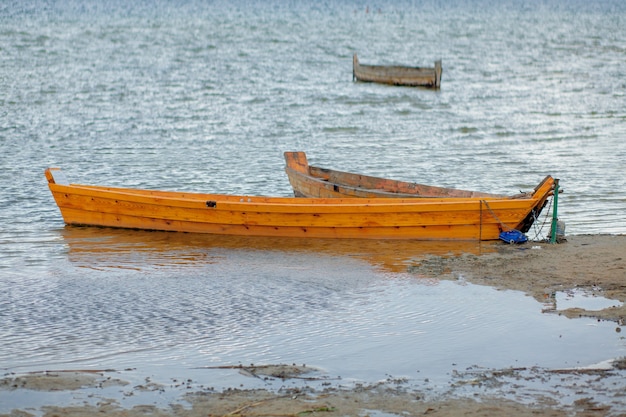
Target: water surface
206,96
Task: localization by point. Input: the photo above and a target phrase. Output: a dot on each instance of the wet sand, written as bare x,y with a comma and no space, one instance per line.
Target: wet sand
595,264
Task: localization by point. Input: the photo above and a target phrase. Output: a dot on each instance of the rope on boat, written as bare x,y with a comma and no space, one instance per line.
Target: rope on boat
494,216
511,235
546,220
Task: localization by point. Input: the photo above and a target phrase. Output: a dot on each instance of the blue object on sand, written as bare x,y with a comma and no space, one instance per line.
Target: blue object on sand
513,236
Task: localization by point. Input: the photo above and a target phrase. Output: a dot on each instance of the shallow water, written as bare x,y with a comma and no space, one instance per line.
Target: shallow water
207,96
170,307
211,305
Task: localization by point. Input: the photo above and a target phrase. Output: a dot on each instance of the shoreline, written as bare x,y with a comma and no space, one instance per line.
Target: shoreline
593,263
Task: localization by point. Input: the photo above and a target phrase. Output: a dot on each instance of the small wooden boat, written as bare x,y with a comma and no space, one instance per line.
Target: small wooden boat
315,182
397,75
358,218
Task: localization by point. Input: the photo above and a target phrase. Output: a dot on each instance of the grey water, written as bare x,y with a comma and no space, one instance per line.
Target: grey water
207,95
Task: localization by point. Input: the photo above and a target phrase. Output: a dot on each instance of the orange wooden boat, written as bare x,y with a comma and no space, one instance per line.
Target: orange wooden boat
380,218
397,75
312,181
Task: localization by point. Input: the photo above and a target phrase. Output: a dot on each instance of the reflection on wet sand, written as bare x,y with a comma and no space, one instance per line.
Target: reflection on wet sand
102,248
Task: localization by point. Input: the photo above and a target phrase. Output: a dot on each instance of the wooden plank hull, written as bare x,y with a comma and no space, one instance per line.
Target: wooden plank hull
397,75
315,182
423,219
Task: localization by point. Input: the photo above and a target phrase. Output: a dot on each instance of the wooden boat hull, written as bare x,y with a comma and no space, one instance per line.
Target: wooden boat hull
420,219
315,182
397,75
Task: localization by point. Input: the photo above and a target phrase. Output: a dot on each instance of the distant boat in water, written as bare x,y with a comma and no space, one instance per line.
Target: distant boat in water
397,75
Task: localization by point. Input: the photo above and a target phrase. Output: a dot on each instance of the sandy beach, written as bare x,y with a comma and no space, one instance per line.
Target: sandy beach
593,263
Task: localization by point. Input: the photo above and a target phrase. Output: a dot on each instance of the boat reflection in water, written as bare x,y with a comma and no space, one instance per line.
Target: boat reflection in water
104,248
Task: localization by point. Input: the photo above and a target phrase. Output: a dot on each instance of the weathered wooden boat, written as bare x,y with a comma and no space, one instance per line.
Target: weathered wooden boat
316,182
380,218
397,75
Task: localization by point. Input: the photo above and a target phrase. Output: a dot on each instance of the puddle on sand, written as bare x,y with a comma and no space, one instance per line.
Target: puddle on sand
578,298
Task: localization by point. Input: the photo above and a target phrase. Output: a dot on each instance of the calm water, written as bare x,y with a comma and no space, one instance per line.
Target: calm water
206,96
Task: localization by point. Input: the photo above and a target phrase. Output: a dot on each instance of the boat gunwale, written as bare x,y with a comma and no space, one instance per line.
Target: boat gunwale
248,201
